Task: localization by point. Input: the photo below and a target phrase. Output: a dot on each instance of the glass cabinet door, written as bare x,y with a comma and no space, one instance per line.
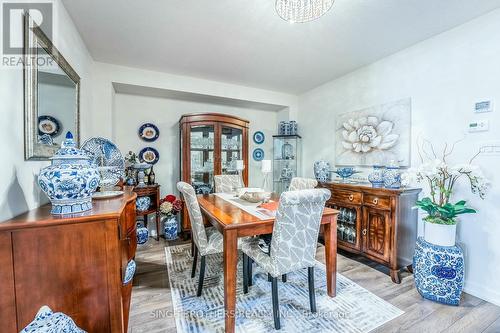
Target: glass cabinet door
231,149
202,158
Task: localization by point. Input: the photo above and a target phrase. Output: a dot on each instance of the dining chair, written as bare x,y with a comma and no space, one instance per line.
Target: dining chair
206,240
227,183
293,245
299,183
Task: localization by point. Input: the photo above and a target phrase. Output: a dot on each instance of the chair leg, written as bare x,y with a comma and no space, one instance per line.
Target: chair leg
195,258
250,277
269,278
312,296
245,273
276,306
202,276
283,278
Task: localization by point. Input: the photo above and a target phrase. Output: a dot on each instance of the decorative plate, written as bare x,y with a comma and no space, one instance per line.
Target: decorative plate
48,125
259,137
149,132
104,153
149,155
258,154
106,194
129,272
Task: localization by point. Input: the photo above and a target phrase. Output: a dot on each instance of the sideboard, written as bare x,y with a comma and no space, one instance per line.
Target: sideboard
378,223
73,263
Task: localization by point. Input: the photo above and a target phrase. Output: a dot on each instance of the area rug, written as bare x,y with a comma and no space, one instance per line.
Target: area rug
354,309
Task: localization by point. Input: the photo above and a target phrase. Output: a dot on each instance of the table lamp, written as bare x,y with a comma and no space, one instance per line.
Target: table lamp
266,170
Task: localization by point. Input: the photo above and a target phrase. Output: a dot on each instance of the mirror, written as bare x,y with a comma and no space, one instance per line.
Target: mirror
52,92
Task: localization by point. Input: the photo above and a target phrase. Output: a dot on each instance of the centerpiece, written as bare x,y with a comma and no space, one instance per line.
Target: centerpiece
170,206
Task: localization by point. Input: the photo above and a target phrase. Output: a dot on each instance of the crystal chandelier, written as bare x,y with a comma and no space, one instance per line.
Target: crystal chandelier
300,11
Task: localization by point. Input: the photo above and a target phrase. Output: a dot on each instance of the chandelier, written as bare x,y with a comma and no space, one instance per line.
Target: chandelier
300,11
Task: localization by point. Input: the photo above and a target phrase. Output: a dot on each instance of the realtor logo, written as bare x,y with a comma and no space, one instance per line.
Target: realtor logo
12,23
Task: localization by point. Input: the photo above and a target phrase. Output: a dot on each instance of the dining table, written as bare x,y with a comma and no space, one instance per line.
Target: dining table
233,221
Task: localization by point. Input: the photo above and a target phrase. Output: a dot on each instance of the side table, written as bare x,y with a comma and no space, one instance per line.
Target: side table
152,191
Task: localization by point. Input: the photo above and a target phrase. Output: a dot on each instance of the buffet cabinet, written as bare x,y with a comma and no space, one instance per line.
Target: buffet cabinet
74,264
377,223
211,143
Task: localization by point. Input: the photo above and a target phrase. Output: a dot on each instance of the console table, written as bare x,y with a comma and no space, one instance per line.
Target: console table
73,263
377,223
152,191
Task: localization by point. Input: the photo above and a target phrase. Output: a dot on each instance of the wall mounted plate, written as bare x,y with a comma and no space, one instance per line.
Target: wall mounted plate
258,154
48,125
149,132
149,155
259,137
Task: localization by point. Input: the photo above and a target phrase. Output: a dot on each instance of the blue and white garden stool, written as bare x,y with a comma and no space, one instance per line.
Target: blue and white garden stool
439,272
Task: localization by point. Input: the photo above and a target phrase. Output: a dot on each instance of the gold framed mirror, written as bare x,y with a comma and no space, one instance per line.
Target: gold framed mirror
51,95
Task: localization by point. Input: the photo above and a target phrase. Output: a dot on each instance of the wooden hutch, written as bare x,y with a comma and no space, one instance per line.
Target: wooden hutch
377,223
210,145
73,263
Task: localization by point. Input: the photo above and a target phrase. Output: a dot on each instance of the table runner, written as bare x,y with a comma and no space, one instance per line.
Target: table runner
249,207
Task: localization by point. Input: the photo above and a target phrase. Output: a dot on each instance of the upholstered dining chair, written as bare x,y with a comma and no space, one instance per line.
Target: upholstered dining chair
207,241
227,183
299,183
293,245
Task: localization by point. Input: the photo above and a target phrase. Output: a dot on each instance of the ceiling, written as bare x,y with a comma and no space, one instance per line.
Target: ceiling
245,42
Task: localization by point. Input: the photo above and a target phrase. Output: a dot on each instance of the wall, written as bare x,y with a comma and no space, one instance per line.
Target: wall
131,111
18,189
444,76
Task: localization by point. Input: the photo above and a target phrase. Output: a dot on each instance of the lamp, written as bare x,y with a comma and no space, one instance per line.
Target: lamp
266,170
300,11
240,166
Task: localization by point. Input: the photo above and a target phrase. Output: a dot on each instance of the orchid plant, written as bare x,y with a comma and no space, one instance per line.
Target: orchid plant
441,179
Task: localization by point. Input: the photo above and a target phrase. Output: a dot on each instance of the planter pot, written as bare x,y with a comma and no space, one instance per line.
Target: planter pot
440,234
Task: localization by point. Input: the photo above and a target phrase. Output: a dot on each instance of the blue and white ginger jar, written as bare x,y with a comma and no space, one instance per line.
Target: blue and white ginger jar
377,176
70,180
392,176
322,171
142,234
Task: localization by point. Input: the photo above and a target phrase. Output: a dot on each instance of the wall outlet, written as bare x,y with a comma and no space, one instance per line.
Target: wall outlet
483,106
479,126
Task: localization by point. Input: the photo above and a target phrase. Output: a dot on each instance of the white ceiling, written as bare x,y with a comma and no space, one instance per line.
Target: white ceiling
245,42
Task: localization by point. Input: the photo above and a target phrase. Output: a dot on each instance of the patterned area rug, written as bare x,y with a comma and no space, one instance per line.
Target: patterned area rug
355,309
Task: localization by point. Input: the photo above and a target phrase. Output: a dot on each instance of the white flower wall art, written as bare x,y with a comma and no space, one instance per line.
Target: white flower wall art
375,136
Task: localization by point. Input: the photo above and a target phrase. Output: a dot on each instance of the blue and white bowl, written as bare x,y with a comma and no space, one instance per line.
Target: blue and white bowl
142,203
70,180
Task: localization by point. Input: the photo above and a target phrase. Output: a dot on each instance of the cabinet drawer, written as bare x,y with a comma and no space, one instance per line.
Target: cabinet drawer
377,201
346,197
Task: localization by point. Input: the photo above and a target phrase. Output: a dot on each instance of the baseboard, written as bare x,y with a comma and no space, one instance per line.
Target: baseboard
485,293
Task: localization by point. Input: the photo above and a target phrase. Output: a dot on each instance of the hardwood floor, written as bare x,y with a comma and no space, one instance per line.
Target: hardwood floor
151,308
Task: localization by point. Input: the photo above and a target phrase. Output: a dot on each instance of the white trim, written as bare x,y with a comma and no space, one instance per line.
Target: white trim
483,292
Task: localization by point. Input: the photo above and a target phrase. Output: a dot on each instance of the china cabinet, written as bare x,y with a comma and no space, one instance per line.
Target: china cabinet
377,223
286,157
211,143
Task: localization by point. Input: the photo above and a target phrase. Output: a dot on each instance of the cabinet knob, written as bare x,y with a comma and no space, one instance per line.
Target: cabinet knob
375,201
351,197
364,232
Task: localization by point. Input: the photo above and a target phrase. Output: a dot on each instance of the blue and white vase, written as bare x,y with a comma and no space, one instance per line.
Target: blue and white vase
142,234
376,177
439,272
170,227
322,171
142,203
392,176
70,180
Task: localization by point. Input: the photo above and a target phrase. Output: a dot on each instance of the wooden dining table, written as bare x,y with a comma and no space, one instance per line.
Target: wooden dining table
234,222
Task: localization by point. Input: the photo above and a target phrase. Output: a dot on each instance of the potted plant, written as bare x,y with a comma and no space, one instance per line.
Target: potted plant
441,212
170,206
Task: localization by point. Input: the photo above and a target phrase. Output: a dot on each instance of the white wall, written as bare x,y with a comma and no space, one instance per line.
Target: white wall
18,189
444,76
131,111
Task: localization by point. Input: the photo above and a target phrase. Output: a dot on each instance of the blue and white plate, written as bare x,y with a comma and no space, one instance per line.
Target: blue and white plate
149,155
149,132
129,272
48,125
259,137
258,154
104,153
